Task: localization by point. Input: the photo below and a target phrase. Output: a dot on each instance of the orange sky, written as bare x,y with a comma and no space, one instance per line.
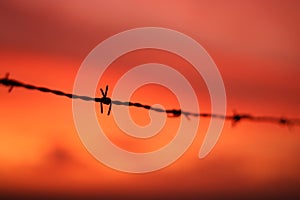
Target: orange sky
255,45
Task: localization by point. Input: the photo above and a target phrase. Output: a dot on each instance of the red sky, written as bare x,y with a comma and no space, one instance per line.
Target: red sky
255,45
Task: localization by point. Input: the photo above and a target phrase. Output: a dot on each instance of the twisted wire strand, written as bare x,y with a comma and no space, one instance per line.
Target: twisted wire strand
11,83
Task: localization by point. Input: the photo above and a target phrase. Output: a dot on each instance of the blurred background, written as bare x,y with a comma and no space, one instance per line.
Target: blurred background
255,45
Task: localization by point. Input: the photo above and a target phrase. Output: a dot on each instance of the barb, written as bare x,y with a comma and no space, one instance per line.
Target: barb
105,100
235,118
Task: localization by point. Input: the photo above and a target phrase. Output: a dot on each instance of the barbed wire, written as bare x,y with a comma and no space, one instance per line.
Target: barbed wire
235,117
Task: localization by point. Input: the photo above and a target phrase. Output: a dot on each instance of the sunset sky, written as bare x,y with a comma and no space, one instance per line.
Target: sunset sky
255,45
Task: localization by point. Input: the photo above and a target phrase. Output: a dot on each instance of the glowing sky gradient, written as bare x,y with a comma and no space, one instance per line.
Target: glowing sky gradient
255,45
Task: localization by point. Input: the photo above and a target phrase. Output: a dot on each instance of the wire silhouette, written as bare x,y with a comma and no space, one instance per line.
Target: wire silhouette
235,118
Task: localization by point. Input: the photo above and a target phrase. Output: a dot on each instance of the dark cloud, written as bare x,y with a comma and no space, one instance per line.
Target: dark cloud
56,159
30,30
59,156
